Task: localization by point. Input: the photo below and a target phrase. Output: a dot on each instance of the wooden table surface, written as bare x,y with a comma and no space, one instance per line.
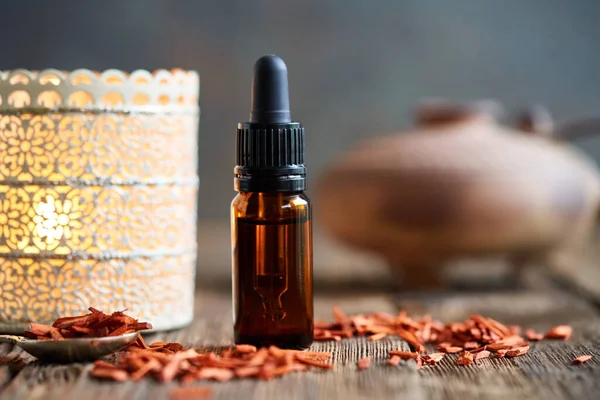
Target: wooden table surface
360,283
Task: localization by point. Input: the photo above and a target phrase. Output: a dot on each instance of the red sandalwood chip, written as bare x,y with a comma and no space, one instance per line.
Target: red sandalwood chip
475,339
561,332
364,363
582,359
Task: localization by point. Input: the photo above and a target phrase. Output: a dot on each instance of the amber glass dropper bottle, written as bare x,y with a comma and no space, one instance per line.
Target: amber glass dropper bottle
271,220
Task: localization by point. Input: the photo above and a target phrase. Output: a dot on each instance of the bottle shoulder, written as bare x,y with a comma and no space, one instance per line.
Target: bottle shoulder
271,206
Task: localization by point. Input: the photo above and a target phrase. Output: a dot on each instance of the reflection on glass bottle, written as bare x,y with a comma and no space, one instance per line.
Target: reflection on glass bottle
270,276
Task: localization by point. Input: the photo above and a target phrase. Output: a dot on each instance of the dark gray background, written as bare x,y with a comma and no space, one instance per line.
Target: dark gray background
357,67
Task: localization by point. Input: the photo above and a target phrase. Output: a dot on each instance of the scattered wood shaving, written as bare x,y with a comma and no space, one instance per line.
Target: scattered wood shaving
405,355
190,393
364,363
436,357
482,354
532,335
394,360
475,338
443,346
470,345
431,359
453,349
582,359
466,358
94,324
561,332
377,336
165,362
112,374
245,348
517,351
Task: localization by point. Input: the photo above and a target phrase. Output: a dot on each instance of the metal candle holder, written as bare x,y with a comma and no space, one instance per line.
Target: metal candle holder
98,193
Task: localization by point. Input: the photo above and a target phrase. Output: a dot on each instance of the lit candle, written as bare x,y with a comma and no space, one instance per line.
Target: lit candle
98,190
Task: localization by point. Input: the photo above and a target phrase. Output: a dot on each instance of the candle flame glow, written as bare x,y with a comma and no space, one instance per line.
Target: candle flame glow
51,222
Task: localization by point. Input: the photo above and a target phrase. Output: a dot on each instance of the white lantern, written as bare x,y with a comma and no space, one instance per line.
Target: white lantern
98,192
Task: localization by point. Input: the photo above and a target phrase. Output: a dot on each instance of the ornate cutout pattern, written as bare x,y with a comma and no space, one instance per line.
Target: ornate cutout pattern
158,289
88,147
111,89
97,221
98,192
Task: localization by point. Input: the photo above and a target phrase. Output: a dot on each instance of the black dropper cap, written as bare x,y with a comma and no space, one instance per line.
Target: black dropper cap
270,147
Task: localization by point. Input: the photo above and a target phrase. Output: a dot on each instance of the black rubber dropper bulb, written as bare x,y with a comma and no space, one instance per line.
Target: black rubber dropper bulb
270,146
270,95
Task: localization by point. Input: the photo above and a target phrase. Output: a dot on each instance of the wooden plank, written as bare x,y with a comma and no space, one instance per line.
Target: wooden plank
544,373
11,362
212,327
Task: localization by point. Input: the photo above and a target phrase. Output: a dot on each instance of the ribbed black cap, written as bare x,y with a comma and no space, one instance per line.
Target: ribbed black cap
270,147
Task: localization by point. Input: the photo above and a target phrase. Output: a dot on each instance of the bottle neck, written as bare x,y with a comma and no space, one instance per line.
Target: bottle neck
264,183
